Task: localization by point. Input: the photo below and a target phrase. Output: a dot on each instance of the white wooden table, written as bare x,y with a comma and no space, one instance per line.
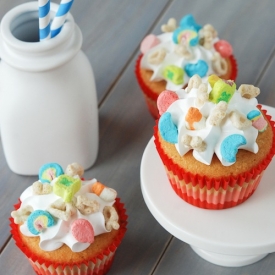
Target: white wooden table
112,31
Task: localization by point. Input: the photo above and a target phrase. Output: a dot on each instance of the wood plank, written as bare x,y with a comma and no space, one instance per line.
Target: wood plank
11,186
246,24
126,128
111,32
267,84
114,164
7,5
14,262
181,259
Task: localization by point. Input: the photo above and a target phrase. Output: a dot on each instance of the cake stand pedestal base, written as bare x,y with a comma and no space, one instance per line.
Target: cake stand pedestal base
228,260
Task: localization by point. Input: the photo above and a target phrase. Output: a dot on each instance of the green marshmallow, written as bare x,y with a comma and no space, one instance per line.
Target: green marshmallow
66,186
173,73
223,90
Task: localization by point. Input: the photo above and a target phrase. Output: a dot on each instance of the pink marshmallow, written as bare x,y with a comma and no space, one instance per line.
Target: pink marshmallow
148,43
82,231
260,124
224,48
165,99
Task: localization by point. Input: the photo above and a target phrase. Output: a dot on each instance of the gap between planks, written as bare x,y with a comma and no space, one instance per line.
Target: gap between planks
269,61
5,244
161,256
127,63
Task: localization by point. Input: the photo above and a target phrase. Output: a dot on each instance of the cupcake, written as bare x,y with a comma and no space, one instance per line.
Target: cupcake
169,60
67,225
215,141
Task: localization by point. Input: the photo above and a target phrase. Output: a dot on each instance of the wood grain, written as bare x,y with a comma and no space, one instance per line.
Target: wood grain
112,31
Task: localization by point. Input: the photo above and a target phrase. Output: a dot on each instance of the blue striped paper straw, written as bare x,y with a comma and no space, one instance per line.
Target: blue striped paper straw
60,16
44,19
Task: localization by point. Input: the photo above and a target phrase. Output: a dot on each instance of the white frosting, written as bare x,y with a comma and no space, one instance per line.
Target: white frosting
213,136
172,58
54,237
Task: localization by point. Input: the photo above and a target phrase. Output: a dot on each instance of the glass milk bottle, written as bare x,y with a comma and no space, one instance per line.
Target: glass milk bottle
48,102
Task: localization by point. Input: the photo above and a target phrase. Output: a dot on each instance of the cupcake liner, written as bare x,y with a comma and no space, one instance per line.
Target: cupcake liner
152,106
97,265
85,269
234,68
151,96
211,193
212,198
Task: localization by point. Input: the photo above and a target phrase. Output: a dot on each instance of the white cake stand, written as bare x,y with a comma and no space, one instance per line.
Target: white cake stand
236,236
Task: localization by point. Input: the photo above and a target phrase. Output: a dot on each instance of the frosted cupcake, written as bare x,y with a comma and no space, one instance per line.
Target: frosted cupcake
67,225
214,141
169,60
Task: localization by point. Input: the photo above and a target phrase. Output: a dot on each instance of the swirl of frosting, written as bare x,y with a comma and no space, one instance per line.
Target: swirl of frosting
181,52
69,208
221,123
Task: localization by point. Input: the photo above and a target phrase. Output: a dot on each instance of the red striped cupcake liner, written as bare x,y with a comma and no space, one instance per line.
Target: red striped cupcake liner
213,193
98,265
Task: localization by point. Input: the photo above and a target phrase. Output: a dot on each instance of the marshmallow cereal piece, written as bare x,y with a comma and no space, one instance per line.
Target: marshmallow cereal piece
62,210
74,169
188,21
219,64
82,231
224,48
248,91
86,206
22,214
185,36
229,147
66,186
258,120
50,171
157,56
167,128
194,119
200,68
39,220
170,26
41,188
104,192
202,95
260,124
223,90
194,82
148,43
173,73
218,114
111,218
212,79
165,99
239,120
